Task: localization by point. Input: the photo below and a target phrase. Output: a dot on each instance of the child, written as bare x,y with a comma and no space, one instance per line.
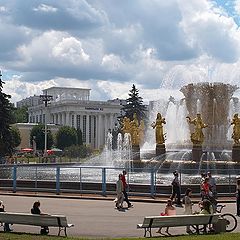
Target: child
170,210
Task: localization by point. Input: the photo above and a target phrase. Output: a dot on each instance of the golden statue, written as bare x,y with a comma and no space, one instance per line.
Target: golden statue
135,130
126,125
141,131
197,136
236,128
158,125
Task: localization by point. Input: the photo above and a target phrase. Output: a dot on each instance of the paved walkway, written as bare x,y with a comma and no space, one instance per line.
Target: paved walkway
93,218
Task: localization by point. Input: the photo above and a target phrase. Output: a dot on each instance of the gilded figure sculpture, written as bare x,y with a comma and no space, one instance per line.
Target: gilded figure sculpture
126,125
236,128
197,136
135,130
158,126
141,132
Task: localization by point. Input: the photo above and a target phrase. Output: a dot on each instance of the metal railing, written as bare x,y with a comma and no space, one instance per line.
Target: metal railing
85,179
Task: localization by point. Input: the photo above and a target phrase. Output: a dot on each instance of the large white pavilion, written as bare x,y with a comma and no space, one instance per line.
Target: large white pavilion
72,107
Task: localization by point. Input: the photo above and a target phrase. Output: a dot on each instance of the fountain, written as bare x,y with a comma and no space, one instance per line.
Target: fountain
209,144
193,134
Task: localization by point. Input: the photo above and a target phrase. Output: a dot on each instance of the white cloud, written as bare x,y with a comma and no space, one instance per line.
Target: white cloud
50,49
45,8
70,49
109,45
20,89
3,9
210,31
112,62
237,6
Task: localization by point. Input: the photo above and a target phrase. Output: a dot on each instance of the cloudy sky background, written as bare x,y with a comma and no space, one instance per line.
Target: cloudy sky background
108,45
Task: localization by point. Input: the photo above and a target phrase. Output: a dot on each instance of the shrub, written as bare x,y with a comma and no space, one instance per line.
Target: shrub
75,151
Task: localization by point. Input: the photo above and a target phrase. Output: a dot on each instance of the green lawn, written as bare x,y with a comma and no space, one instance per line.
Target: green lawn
18,236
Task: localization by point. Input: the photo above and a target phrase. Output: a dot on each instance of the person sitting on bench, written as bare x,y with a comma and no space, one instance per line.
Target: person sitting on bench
6,225
170,210
36,210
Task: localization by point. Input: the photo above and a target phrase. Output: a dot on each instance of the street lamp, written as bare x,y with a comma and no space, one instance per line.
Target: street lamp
45,98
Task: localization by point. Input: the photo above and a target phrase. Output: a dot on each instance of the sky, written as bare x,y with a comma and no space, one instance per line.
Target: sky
109,45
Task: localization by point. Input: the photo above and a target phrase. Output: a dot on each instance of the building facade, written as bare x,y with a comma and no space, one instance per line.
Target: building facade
29,102
72,107
25,131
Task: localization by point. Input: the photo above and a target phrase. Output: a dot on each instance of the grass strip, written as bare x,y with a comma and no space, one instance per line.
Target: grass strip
23,236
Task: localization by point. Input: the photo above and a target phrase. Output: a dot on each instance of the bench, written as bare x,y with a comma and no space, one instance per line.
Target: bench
59,221
150,222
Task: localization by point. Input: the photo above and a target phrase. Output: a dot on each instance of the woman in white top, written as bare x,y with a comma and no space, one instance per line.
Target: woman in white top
119,191
188,206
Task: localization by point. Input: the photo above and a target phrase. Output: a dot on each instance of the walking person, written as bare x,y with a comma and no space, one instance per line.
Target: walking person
202,192
213,191
188,206
36,210
238,196
125,189
205,189
212,184
119,190
176,190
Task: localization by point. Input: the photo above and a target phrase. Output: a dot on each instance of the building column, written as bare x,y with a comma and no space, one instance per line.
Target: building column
56,118
64,116
75,120
111,121
52,117
59,118
87,129
100,131
68,123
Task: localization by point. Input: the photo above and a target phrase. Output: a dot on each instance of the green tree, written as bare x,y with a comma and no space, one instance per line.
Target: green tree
134,105
66,136
20,115
38,132
6,146
79,137
16,136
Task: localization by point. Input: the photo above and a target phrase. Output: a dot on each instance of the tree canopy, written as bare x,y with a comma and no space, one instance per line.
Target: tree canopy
134,105
6,145
20,115
16,137
66,136
38,132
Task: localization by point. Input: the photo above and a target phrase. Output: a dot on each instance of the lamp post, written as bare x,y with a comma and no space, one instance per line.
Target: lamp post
45,98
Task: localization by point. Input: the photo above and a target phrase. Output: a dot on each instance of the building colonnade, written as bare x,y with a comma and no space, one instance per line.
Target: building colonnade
94,126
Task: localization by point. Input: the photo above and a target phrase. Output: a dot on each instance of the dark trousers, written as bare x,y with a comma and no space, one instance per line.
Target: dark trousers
238,203
126,197
44,230
176,193
6,227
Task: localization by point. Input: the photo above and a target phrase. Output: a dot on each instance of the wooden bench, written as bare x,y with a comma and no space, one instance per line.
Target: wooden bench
150,222
59,221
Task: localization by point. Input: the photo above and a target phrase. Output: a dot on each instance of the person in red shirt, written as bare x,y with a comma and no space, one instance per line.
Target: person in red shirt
205,188
125,189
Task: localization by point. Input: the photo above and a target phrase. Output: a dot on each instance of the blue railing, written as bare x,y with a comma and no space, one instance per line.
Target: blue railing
86,179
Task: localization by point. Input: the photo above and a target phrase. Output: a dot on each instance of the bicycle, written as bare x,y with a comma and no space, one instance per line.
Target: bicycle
231,221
